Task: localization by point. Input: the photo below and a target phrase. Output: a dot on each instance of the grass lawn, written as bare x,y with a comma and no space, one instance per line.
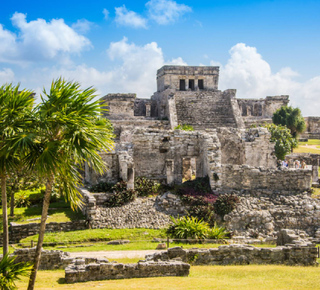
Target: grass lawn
201,277
58,212
312,142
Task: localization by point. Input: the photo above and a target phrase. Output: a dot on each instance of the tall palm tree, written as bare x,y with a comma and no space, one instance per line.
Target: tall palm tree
15,110
67,132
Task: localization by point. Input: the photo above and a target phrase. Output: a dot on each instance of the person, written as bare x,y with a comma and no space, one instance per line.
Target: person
303,164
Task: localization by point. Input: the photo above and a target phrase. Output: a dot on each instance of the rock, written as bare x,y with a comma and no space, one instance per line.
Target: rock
118,242
161,246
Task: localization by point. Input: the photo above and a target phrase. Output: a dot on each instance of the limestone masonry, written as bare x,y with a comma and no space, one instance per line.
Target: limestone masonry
220,147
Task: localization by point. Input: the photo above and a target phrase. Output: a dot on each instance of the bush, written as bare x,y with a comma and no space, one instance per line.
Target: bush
187,227
26,198
144,186
11,272
225,204
102,187
184,127
203,212
121,195
217,233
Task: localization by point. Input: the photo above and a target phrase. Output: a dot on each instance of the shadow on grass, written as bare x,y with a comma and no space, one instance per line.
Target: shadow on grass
61,281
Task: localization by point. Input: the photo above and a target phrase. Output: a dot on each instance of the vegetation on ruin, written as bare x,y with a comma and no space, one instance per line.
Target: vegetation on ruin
189,227
284,142
184,127
201,277
291,118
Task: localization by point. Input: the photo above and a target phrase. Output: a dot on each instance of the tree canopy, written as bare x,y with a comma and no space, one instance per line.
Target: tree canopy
291,118
284,142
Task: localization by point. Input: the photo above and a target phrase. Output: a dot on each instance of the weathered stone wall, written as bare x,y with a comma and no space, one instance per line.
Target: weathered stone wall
312,128
262,107
21,231
169,76
239,177
241,255
80,272
160,154
50,260
265,213
206,110
142,107
119,106
309,159
251,147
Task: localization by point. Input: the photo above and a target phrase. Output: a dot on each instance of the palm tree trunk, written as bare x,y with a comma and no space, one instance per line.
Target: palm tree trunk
45,207
12,203
4,214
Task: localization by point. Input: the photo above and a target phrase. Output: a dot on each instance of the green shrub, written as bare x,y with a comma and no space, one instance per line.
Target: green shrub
145,187
203,212
225,204
102,187
187,227
120,195
217,233
11,272
26,198
184,127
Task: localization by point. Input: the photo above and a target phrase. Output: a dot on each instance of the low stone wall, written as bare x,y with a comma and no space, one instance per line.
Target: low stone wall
50,260
79,272
239,177
241,255
21,231
265,214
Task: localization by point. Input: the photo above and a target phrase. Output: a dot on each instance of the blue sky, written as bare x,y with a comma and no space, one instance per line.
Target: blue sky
262,47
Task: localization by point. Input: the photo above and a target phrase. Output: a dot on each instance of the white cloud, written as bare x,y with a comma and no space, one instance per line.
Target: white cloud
166,11
39,40
125,17
105,13
251,75
135,69
6,76
82,26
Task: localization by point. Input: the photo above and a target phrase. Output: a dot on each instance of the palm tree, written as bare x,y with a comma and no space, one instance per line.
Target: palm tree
15,108
10,271
67,132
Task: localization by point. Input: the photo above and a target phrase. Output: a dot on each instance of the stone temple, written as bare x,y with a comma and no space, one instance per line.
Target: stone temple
223,145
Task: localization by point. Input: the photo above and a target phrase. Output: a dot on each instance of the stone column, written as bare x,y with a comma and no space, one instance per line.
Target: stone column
148,110
130,182
170,171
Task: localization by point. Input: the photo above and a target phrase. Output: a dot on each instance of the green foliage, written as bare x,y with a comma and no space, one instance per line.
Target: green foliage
284,142
102,187
187,227
121,195
184,127
217,232
145,187
291,118
203,212
10,272
225,204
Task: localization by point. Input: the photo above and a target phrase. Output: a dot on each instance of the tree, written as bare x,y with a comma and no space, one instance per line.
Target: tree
284,142
67,132
15,109
290,117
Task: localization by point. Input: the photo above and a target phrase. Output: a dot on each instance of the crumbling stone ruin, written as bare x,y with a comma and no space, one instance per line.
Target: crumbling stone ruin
236,158
148,145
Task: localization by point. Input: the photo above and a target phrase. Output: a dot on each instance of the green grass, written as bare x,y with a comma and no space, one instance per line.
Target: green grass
58,212
201,277
301,149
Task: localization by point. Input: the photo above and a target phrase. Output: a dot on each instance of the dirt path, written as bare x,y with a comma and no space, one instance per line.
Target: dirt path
311,146
114,254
